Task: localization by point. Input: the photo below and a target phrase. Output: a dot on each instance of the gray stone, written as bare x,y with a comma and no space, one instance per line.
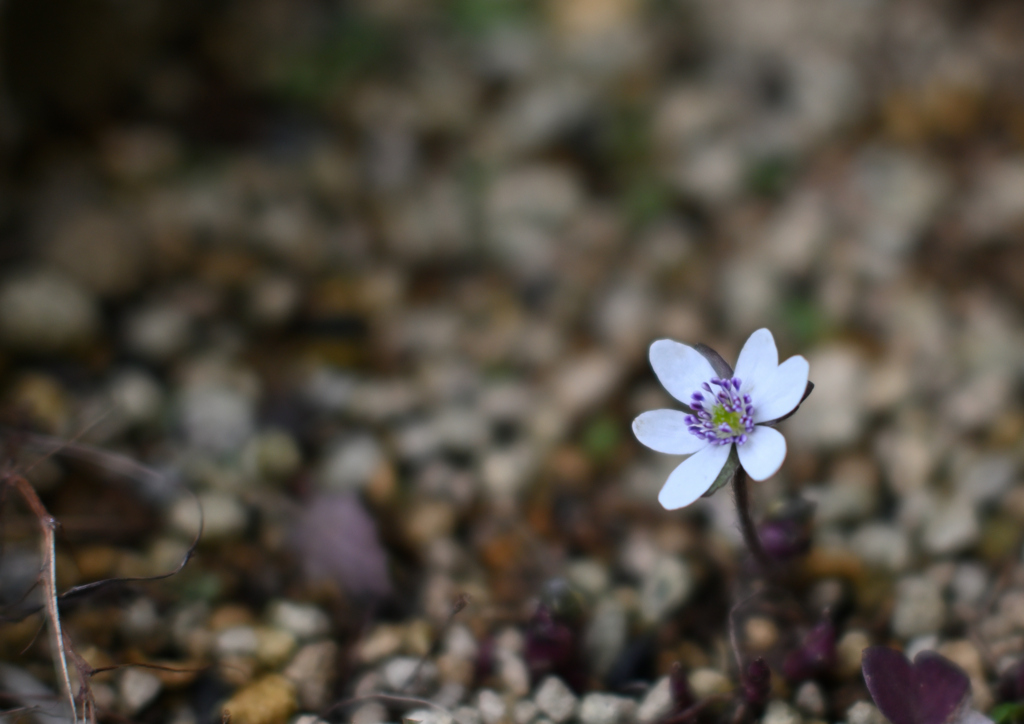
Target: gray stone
43,311
834,414
656,703
237,641
427,716
398,673
864,713
779,712
272,455
588,575
919,608
984,478
513,673
312,670
970,582
598,708
882,544
810,699
606,634
467,715
158,331
666,587
555,699
137,689
506,472
137,395
901,191
224,516
351,463
524,712
491,705
304,621
996,203
951,527
216,419
99,251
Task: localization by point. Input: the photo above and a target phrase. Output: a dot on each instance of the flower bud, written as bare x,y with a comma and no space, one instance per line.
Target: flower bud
757,683
679,685
816,654
786,532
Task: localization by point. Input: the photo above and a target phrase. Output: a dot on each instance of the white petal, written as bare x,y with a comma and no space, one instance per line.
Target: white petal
783,392
693,477
666,431
680,369
758,360
763,452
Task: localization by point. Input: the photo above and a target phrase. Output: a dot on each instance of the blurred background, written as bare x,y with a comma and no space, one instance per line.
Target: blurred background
377,278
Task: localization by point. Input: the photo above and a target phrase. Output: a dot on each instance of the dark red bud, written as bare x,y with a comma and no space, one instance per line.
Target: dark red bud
679,685
816,654
757,683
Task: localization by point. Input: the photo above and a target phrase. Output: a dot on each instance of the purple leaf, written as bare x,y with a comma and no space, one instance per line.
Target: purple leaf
932,690
943,689
890,680
336,540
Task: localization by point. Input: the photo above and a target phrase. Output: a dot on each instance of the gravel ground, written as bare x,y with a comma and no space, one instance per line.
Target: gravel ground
375,281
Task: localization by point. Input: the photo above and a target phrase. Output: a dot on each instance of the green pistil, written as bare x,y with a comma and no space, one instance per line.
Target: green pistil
732,419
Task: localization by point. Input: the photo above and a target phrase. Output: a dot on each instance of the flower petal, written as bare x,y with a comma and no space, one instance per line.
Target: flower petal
680,369
666,432
763,452
758,361
693,477
783,391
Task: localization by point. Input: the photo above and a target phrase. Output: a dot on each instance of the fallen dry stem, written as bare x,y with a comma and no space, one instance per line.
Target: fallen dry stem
48,576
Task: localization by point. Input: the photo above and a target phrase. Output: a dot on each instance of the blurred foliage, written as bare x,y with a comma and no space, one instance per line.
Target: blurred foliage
601,437
474,17
353,48
804,319
1009,713
771,176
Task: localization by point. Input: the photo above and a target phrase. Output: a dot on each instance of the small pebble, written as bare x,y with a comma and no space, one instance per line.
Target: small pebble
599,708
810,699
137,689
312,671
657,702
708,682
779,712
919,607
43,311
382,642
760,633
224,516
466,715
555,699
491,706
524,712
665,588
849,650
303,621
427,716
514,674
270,700
369,713
864,713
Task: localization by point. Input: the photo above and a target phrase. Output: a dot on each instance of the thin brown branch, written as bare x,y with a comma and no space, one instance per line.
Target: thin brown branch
47,525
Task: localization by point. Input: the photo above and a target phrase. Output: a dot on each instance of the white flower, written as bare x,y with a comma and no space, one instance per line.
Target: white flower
729,411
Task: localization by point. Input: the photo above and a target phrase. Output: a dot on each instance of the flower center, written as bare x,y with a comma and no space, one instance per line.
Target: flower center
721,415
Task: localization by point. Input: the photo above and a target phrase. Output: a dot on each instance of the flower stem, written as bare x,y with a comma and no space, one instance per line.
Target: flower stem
750,537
